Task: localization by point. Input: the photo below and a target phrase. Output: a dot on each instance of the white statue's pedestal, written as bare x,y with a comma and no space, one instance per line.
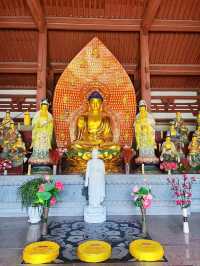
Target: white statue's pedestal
94,214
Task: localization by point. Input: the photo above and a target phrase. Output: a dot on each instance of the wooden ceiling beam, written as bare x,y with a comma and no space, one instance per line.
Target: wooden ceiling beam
174,70
37,13
18,67
155,69
149,14
61,23
175,25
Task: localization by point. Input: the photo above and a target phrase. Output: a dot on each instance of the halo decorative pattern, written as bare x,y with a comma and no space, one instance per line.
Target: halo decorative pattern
94,68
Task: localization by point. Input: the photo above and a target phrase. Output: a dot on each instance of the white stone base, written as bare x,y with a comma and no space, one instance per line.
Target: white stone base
94,214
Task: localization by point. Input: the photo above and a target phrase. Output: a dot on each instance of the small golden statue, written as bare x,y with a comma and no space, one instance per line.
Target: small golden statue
197,134
198,119
179,134
13,146
42,132
93,130
145,136
194,152
168,151
6,123
27,119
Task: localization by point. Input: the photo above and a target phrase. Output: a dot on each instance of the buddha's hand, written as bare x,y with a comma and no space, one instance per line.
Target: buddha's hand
81,122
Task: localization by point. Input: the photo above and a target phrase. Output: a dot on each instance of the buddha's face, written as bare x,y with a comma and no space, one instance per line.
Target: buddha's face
168,139
95,104
44,109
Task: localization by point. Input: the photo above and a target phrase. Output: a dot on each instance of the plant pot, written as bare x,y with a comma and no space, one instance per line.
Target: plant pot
34,214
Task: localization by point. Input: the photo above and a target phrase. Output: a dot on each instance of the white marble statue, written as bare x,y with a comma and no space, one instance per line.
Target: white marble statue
95,212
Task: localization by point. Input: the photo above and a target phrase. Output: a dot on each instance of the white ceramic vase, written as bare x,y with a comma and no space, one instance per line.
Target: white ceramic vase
34,214
185,221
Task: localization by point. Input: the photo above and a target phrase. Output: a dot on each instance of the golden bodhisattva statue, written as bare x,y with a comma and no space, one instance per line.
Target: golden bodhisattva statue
6,123
179,134
93,130
42,132
168,151
145,135
194,152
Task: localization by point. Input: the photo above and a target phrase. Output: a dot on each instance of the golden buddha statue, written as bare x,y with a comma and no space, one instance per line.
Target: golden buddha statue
194,152
145,135
93,130
168,151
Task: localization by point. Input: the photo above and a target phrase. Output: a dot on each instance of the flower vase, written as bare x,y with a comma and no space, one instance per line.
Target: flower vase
144,222
44,221
185,221
127,168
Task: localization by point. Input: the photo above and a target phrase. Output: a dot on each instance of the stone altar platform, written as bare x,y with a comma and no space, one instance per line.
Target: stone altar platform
118,198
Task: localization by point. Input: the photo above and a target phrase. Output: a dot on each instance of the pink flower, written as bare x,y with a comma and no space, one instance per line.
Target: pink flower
147,203
178,202
47,178
148,197
53,201
135,189
59,185
41,188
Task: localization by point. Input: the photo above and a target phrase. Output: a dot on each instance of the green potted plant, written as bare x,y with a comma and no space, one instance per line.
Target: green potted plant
27,192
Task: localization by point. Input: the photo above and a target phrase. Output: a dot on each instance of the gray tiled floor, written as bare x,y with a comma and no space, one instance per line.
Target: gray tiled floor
180,249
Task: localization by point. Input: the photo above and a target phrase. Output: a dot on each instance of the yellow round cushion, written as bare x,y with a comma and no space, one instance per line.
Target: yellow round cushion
146,250
41,252
94,251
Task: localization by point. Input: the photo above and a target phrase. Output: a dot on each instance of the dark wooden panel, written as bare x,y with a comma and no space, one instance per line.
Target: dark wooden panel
18,45
174,48
73,41
14,8
18,80
95,8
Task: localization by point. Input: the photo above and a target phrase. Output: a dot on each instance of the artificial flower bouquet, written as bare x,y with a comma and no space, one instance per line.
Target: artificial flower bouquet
182,189
47,196
48,192
142,198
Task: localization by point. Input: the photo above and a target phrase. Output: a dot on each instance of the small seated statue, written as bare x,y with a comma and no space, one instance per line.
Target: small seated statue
145,135
13,146
42,131
18,151
181,129
94,130
168,151
194,152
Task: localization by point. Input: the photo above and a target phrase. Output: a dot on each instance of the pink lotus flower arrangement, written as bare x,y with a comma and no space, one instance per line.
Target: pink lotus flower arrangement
48,192
142,197
182,189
